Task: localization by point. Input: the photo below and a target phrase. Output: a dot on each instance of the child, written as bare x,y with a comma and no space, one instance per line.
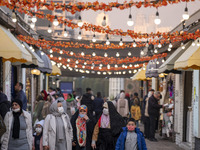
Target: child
37,142
131,138
136,112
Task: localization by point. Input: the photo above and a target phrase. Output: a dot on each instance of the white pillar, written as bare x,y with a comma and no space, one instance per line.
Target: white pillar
7,78
24,78
41,81
32,92
154,83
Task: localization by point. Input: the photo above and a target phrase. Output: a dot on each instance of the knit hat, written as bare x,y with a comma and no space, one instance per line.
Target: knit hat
18,101
41,122
83,107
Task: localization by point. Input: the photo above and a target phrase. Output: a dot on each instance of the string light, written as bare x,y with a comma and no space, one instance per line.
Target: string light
147,44
116,66
94,39
130,20
130,65
134,43
169,49
65,32
42,53
117,54
71,53
49,29
68,60
157,20
93,54
82,53
185,14
14,17
142,52
170,45
76,62
104,21
50,51
32,25
85,63
107,41
163,60
79,36
59,58
157,62
198,43
155,51
80,23
105,55
193,43
129,53
182,45
120,43
159,45
108,66
55,22
34,19
61,52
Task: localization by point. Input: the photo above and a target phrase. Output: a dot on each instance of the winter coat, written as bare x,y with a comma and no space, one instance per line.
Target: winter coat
4,107
98,104
41,144
154,107
22,96
120,145
49,131
8,120
45,109
122,106
87,100
38,111
64,103
135,112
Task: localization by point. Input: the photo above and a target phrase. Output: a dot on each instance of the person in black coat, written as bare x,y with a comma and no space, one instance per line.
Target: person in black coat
83,126
153,110
4,104
88,99
98,104
21,95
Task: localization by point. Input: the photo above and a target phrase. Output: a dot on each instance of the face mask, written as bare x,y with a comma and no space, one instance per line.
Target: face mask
38,130
81,115
16,110
60,110
105,111
131,128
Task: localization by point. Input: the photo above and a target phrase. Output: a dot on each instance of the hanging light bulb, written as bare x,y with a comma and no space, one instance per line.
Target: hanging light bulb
42,53
123,66
92,67
134,43
157,20
31,47
193,43
117,54
75,66
93,54
129,53
80,23
116,66
83,67
182,45
34,19
169,49
71,53
94,39
130,65
105,55
49,29
198,43
14,17
51,55
65,32
85,63
79,36
159,45
59,58
186,15
68,60
108,66
82,53
130,20
76,62
23,45
155,51
32,25
120,43
170,45
50,51
157,62
147,44
61,52
107,41
163,60
55,22
142,52
104,21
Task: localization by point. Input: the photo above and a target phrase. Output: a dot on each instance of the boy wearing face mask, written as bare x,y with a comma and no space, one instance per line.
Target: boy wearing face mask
131,138
37,142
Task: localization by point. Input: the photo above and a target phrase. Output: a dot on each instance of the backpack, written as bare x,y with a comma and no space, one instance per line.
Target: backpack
2,126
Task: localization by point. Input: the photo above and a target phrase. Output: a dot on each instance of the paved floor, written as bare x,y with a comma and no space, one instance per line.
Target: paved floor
162,143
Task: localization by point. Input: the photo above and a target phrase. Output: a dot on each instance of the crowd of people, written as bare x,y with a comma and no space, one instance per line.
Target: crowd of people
79,122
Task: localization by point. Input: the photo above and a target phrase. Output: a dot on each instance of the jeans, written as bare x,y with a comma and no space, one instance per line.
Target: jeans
153,120
146,126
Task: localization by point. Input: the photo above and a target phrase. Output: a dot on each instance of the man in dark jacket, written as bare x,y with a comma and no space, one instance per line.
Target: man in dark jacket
153,110
21,95
87,100
98,104
4,104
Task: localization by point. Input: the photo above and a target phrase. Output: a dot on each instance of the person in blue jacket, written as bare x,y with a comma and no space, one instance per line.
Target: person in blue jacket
131,138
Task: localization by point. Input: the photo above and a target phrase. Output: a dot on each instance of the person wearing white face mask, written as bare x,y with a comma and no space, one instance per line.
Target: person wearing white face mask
19,128
57,130
37,140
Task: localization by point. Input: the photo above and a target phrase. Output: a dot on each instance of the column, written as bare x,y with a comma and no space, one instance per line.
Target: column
7,79
23,79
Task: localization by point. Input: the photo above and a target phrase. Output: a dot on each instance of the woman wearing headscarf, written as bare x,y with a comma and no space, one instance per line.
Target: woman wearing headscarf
44,94
18,135
71,105
57,131
46,106
37,114
108,128
83,126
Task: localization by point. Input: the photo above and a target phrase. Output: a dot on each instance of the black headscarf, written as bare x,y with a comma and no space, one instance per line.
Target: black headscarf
16,123
116,120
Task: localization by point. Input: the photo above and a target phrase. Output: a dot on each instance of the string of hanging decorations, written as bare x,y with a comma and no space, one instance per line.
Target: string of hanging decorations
81,6
95,28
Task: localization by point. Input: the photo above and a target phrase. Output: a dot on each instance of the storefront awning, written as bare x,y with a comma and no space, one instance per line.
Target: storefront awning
152,68
47,63
36,60
168,65
55,70
140,75
190,59
11,49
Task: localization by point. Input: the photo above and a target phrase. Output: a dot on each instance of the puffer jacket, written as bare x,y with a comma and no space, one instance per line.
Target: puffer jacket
141,144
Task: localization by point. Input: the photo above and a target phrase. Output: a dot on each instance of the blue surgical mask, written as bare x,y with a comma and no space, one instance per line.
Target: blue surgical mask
81,115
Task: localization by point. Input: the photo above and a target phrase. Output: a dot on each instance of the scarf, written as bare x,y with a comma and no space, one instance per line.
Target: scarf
59,122
81,131
16,125
71,99
105,121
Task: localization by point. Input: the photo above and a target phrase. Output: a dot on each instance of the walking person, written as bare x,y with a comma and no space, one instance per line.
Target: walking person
44,94
21,95
4,103
135,97
136,112
71,105
153,110
61,99
83,126
88,99
18,135
57,131
131,138
46,106
37,136
37,114
98,104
